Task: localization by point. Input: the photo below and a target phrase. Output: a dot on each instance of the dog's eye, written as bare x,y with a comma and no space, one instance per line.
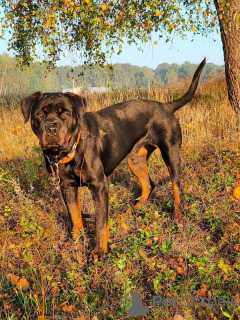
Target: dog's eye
65,115
40,114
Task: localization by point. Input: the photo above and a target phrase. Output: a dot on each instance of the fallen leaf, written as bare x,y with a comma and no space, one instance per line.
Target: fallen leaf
179,270
236,192
63,304
124,226
14,279
23,284
178,317
199,236
237,247
204,290
229,189
225,277
67,308
238,176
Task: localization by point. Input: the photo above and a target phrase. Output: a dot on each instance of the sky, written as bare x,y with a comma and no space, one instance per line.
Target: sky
193,49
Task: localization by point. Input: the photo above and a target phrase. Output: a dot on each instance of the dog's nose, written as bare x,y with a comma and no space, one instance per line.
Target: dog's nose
51,129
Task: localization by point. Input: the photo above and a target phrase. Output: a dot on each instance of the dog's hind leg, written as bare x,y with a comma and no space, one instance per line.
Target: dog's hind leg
138,166
171,156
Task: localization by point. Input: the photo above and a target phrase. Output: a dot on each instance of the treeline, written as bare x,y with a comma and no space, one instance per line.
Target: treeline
17,82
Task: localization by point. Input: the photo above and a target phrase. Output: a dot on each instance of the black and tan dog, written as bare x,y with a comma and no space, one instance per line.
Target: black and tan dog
83,148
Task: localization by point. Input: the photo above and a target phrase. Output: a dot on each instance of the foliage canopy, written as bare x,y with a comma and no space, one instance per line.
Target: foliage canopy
96,29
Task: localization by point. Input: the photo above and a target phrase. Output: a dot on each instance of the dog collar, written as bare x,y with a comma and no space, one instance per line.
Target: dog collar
54,165
72,153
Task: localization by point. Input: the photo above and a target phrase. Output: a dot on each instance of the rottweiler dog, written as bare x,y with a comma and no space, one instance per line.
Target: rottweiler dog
83,148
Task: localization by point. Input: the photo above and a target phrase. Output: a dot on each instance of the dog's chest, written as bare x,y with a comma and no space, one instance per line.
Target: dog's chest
83,176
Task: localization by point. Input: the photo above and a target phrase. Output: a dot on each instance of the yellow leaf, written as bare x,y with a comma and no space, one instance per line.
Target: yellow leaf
193,28
158,13
104,7
236,192
229,189
124,226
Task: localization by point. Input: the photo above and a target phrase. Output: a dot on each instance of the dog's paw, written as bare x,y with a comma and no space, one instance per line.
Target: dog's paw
140,204
178,220
76,232
98,254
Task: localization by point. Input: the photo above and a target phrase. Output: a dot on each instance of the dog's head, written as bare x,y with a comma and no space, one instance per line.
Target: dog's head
55,119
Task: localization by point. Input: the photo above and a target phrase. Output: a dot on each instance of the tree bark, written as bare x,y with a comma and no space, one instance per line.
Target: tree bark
229,21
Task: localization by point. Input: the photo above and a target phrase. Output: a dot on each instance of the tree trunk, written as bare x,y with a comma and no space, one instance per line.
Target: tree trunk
229,21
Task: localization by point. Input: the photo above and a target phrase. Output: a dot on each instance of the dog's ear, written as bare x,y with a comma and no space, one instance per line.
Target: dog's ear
79,103
27,103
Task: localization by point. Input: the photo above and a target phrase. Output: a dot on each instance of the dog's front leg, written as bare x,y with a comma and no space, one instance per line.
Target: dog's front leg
100,197
71,198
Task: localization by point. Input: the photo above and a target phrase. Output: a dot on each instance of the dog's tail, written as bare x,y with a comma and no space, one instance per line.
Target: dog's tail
176,104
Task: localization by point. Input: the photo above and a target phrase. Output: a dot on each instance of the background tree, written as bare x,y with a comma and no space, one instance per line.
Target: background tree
96,28
229,21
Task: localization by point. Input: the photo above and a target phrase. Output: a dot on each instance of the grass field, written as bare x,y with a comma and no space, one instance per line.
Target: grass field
44,274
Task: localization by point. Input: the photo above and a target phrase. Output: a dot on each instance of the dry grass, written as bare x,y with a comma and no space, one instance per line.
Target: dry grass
46,275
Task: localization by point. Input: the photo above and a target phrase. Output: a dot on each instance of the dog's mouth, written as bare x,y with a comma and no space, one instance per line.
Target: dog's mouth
54,151
50,142
53,146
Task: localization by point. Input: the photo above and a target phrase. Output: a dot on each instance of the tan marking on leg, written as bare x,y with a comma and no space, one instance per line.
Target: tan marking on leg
102,245
104,240
177,196
76,217
140,170
178,208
